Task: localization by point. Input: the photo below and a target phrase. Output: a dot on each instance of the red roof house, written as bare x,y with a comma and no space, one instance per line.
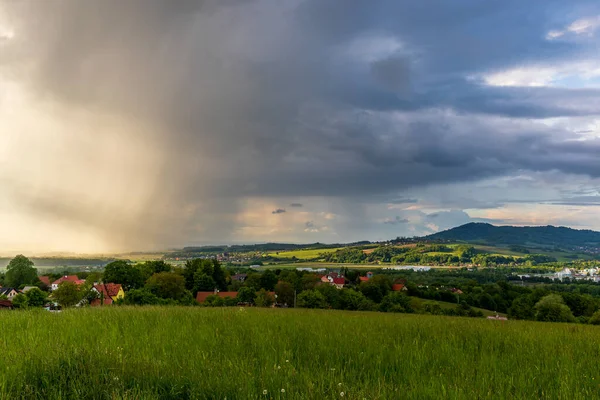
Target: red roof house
67,278
108,293
201,296
45,280
363,278
398,287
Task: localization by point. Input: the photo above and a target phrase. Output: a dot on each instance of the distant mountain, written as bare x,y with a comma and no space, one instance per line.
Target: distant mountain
538,235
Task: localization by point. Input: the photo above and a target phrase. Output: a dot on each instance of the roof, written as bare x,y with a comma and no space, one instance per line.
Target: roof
6,290
6,304
109,289
396,287
98,302
201,296
69,278
44,279
363,278
339,281
28,288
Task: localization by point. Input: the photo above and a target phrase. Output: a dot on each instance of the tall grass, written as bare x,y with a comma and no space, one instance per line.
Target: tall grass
196,353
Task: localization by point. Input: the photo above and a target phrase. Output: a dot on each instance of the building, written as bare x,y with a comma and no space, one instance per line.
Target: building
67,278
399,287
107,293
201,296
45,280
8,292
239,277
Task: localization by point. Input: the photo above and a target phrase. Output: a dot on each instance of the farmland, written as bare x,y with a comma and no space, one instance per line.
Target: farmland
182,352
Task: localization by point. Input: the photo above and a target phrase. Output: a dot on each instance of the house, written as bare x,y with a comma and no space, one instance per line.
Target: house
399,287
8,292
456,291
363,278
239,277
369,275
338,282
45,280
66,278
108,293
28,288
6,305
201,296
334,279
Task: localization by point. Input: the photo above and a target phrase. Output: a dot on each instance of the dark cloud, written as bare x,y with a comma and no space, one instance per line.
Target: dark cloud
296,205
323,98
278,211
395,221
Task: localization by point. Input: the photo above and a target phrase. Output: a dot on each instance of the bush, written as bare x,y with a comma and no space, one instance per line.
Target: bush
311,299
552,308
595,318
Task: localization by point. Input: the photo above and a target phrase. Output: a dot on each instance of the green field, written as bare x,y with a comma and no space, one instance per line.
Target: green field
307,254
198,353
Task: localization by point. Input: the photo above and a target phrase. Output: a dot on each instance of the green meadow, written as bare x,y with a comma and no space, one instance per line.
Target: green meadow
304,254
237,353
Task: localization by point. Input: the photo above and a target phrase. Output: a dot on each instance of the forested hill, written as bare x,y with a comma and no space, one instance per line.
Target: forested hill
541,235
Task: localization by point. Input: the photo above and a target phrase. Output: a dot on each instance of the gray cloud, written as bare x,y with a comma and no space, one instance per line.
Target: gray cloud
296,205
256,98
278,211
395,221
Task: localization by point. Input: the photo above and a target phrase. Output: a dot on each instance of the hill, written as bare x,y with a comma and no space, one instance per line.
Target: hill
538,235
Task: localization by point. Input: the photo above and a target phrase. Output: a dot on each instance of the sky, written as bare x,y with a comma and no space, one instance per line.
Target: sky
151,124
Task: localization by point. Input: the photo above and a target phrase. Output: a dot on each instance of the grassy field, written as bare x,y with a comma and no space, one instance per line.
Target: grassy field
197,353
307,254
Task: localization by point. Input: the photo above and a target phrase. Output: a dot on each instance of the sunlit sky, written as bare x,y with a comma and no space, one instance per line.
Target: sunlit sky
149,124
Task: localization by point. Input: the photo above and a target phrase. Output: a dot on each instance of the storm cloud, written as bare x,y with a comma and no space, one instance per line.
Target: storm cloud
188,111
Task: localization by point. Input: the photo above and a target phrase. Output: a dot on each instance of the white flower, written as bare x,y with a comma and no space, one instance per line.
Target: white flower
340,384
342,394
265,391
287,360
282,390
279,367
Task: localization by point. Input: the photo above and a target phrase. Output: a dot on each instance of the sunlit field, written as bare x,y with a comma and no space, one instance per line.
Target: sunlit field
197,353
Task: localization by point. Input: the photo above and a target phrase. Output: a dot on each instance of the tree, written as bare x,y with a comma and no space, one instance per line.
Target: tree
123,273
68,294
20,271
522,308
150,268
372,291
20,301
285,293
311,299
350,299
36,297
211,268
331,293
264,299
167,285
268,280
203,282
140,297
396,302
595,318
552,308
246,295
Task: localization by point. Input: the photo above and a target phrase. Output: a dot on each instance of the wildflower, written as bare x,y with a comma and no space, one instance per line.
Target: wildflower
279,367
287,360
265,392
340,384
282,390
342,394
